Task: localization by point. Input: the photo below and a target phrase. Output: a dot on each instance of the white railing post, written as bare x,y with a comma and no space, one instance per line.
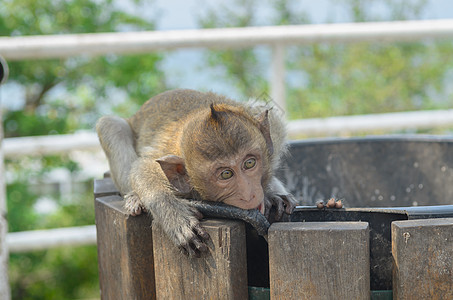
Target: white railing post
4,282
278,83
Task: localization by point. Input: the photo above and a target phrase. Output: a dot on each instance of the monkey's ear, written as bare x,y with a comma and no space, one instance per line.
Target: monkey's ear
175,170
215,114
265,129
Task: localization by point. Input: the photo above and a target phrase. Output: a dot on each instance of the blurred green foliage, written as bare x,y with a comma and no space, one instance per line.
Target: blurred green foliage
62,96
60,273
345,79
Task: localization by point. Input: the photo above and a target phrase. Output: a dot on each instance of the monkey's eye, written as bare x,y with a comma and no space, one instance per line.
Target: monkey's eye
249,163
227,174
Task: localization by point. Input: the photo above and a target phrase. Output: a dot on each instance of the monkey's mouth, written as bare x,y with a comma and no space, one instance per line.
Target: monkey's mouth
261,208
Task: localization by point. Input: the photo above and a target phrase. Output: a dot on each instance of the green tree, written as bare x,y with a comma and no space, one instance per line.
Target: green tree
327,80
62,96
83,85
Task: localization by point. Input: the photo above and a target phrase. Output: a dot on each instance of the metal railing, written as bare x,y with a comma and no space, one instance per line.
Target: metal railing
278,37
59,46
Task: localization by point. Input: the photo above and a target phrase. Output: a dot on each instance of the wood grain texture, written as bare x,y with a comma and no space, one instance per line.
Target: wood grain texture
221,274
423,259
319,260
125,251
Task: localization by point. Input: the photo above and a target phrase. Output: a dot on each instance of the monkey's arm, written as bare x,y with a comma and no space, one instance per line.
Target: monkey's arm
117,141
174,215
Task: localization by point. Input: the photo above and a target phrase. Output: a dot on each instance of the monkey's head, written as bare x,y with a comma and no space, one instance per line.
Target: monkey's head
225,157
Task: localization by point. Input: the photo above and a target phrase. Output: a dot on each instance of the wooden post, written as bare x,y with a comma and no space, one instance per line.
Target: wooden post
221,274
319,260
423,259
137,261
125,248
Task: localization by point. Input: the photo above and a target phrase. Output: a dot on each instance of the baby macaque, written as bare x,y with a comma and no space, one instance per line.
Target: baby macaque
183,145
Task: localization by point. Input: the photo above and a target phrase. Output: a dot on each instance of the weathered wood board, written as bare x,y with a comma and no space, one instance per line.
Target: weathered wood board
105,187
221,274
125,252
319,260
423,259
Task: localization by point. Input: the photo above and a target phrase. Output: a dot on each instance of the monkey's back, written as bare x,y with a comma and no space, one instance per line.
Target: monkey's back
175,106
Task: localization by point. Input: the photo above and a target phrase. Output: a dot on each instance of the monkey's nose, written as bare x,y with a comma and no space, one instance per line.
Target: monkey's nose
248,199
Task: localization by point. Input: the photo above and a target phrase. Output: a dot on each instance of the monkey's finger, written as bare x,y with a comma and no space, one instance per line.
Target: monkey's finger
267,209
137,211
201,232
183,250
280,210
188,250
290,202
320,204
198,215
331,203
199,245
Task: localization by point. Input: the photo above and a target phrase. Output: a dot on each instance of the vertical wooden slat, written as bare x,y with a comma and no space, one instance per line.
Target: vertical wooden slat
220,274
423,259
319,260
125,251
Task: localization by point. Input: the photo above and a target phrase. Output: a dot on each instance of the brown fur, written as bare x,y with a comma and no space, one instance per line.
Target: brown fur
178,146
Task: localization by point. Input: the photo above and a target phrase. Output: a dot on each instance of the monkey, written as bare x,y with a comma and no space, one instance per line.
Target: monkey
183,144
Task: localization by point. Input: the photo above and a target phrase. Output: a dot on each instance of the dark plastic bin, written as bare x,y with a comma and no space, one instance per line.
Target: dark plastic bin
380,179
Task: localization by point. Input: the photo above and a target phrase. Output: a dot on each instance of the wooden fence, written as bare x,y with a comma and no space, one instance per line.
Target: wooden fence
307,260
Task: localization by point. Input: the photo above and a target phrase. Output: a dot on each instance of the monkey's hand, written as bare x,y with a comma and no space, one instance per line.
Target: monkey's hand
277,196
185,230
282,203
133,205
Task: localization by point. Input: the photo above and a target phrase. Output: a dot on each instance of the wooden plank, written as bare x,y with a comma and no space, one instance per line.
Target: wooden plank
221,274
125,251
319,260
105,187
423,259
